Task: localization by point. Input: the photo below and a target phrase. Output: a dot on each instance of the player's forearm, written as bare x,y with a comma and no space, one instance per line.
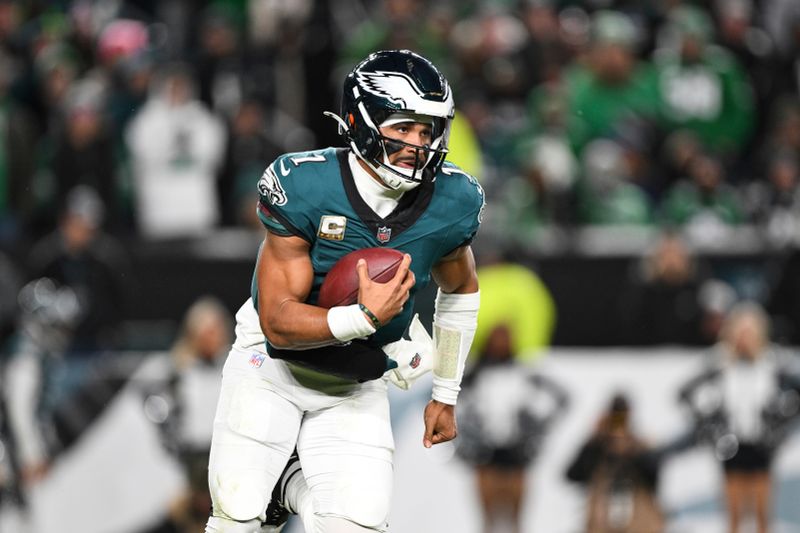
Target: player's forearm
454,322
293,325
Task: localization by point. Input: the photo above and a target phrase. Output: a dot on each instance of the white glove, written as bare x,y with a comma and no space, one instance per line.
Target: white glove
414,356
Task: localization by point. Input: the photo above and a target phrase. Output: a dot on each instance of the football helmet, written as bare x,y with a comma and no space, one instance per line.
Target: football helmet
406,87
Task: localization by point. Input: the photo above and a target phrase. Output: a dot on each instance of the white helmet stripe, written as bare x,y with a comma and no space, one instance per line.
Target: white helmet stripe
366,117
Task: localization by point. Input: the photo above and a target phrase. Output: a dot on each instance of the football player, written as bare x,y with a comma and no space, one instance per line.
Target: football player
307,378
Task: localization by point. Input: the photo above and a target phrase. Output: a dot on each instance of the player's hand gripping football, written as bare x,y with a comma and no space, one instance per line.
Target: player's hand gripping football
440,423
385,300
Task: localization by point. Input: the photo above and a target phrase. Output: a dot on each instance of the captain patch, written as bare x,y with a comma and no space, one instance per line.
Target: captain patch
331,227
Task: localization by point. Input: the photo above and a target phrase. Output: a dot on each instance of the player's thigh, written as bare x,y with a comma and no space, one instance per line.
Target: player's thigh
255,431
346,452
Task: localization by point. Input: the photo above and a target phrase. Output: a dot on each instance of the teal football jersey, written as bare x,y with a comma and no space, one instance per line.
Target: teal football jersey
313,195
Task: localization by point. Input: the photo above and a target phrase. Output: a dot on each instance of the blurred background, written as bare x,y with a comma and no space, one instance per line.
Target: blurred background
635,369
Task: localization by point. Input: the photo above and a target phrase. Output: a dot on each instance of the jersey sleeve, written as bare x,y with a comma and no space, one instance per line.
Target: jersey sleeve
468,203
283,206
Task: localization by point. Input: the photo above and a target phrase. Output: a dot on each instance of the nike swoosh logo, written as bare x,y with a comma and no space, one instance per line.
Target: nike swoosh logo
284,171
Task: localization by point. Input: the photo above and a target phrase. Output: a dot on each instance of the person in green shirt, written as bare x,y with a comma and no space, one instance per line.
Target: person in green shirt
702,87
703,202
612,86
606,194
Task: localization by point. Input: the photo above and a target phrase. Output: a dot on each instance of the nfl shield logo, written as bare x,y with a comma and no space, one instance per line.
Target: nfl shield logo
257,359
384,234
415,361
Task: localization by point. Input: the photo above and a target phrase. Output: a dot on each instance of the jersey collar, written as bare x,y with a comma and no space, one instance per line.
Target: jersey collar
409,209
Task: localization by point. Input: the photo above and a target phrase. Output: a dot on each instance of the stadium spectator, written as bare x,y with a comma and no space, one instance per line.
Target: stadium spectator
489,45
781,18
248,146
662,305
176,146
220,62
83,152
702,86
606,194
613,85
620,473
783,134
80,255
773,203
507,411
128,85
543,194
703,203
743,404
742,35
543,52
678,150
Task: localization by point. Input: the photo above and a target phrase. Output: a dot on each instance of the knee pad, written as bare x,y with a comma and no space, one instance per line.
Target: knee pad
239,496
218,524
361,500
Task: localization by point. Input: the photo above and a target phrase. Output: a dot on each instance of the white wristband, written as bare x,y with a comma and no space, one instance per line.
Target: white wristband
348,322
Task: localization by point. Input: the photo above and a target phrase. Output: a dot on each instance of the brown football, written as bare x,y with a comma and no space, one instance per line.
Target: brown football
340,286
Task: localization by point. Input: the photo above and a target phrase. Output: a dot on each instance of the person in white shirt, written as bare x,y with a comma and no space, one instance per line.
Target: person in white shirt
176,146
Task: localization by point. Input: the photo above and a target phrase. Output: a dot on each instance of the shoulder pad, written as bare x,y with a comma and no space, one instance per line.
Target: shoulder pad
463,188
291,186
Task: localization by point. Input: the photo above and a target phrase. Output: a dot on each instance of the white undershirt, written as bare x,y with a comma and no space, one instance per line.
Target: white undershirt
380,199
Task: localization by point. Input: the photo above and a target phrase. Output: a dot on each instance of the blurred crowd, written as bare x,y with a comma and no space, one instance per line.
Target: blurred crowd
571,112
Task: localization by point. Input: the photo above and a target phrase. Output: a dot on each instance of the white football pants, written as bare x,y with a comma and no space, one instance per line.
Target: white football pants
344,442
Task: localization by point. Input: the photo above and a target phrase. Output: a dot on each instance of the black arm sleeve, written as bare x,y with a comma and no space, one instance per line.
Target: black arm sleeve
357,360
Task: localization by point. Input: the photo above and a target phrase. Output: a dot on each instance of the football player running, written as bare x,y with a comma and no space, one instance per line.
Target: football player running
307,378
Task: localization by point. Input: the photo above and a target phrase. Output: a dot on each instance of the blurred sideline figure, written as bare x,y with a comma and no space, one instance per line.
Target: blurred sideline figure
517,298
743,405
48,313
184,408
81,255
507,410
67,321
661,305
620,472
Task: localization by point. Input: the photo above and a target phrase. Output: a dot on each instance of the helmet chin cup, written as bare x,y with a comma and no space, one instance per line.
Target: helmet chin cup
389,175
392,176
